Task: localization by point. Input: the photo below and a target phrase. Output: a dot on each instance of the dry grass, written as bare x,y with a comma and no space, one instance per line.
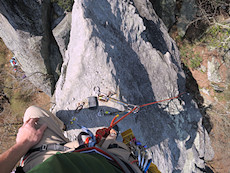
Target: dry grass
220,136
20,93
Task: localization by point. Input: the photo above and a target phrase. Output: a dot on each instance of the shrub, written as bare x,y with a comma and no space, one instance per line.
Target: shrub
217,36
189,57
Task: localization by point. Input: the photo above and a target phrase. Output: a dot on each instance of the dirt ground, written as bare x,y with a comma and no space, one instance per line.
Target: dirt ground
216,109
10,123
12,105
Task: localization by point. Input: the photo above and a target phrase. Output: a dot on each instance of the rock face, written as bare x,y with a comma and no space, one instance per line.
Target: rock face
187,14
213,73
181,13
25,27
123,47
114,46
166,10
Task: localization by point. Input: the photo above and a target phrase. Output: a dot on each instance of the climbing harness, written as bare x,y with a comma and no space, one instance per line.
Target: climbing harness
91,140
112,159
44,148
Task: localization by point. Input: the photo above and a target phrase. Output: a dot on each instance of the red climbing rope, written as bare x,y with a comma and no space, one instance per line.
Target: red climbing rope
138,107
105,131
147,104
113,124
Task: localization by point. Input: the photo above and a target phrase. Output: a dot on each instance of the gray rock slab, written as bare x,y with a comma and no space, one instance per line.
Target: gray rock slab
25,27
123,47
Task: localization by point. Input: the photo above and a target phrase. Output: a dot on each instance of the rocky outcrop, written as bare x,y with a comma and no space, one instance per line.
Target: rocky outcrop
61,26
213,73
25,27
123,47
114,46
181,13
166,10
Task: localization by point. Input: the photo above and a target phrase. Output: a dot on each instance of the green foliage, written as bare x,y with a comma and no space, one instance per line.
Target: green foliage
65,4
217,36
195,62
189,57
3,53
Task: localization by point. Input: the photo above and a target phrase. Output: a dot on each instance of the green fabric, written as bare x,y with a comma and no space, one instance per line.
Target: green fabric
75,162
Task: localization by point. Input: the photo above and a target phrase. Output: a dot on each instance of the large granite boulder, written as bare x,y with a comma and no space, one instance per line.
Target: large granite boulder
25,27
123,47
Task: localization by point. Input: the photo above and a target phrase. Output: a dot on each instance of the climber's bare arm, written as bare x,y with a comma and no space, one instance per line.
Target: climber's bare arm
27,137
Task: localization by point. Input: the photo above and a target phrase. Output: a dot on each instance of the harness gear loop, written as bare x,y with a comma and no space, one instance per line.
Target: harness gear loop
91,141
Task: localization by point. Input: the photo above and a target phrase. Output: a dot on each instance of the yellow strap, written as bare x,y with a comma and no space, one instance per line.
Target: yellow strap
153,169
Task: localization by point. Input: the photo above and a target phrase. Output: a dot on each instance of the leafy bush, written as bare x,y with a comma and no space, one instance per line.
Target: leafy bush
195,62
189,57
217,36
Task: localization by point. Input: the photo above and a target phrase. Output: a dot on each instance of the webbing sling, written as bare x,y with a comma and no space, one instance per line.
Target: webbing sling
44,147
49,147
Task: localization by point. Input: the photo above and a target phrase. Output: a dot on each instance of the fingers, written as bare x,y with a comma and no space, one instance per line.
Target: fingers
42,129
32,121
26,122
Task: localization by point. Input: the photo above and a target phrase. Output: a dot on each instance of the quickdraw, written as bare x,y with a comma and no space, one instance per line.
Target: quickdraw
108,97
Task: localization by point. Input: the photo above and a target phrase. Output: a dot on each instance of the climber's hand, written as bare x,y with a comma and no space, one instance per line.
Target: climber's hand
28,135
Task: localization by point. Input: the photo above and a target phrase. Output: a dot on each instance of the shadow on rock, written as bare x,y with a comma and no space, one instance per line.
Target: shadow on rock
193,88
152,125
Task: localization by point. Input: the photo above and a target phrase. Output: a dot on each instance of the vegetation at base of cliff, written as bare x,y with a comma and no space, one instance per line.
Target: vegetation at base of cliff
3,53
197,49
65,4
16,95
190,57
217,36
16,92
224,96
9,122
19,97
